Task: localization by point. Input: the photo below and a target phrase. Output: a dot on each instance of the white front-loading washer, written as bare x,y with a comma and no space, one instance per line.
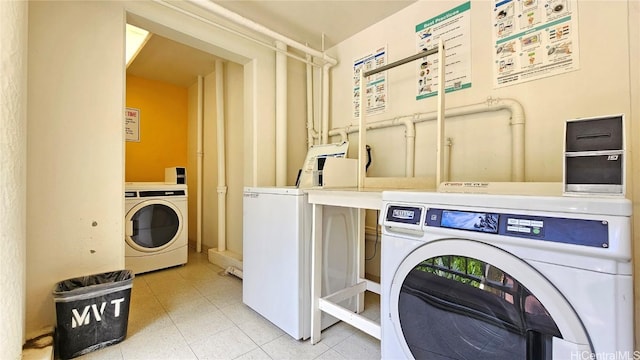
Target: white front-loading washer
472,276
156,235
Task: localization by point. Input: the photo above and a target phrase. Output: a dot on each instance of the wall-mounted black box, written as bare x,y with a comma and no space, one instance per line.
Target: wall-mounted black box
594,160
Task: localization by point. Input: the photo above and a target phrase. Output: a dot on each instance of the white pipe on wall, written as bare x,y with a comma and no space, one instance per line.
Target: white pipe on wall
199,170
225,28
325,103
231,16
410,133
440,118
281,115
362,135
311,133
222,165
517,127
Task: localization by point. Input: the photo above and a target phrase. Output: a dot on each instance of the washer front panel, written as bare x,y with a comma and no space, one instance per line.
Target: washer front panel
448,301
562,230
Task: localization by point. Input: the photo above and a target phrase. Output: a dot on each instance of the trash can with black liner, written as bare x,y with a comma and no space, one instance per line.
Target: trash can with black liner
92,312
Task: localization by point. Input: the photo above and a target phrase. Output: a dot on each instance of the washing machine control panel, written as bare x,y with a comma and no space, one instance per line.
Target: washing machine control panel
407,217
562,230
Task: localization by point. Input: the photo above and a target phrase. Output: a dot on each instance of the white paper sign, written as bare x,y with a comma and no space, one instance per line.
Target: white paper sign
132,124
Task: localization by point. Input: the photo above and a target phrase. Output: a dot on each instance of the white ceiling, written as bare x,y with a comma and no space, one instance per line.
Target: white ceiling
302,20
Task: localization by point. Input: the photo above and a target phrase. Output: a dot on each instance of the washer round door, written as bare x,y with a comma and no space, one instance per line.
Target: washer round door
153,225
463,299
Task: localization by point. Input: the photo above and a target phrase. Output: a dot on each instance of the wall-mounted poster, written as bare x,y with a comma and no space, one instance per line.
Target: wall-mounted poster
132,124
534,39
376,85
454,26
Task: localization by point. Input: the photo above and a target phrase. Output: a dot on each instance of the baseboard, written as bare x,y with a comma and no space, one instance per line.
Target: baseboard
225,259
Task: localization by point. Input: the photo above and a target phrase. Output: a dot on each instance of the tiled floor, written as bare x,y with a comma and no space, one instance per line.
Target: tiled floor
196,312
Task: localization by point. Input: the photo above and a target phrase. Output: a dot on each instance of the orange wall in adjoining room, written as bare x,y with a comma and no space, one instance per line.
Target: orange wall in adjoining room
163,129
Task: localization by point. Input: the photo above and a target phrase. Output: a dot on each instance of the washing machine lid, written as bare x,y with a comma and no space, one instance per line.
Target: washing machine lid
441,310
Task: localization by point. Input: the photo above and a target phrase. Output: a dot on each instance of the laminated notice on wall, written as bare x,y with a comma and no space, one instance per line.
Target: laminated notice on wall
375,86
454,27
132,124
534,39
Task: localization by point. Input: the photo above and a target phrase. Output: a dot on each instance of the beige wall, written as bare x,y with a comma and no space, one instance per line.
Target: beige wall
13,175
75,147
210,165
600,87
607,83
75,161
236,148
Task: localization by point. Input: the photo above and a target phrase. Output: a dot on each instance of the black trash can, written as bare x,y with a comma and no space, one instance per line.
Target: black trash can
92,312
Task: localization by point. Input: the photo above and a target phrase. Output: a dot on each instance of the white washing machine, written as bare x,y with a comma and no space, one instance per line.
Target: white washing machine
156,234
471,276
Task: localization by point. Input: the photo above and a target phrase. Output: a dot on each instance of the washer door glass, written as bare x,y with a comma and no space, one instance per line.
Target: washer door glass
458,299
154,225
481,312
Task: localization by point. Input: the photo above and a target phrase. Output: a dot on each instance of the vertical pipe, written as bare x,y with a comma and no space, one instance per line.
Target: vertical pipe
281,114
199,170
517,136
222,185
440,119
310,130
362,135
325,103
410,133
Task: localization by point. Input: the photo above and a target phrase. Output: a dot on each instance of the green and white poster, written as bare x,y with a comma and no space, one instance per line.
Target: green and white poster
454,27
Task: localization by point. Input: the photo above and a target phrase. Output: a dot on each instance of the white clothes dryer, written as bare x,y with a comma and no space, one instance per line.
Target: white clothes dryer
472,276
156,235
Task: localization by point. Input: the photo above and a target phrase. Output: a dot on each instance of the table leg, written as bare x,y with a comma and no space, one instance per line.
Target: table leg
316,272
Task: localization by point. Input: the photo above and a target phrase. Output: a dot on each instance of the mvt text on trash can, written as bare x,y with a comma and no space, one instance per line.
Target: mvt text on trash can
78,319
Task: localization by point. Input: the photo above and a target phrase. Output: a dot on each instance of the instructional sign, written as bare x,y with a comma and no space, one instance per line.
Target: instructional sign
534,39
454,27
132,124
375,85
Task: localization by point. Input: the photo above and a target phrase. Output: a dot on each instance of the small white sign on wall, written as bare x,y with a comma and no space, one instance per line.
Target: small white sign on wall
132,124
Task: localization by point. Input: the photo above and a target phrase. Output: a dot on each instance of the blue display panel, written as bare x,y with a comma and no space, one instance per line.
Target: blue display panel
467,220
562,230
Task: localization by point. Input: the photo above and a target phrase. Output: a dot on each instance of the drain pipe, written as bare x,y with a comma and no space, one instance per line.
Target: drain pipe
199,154
222,185
410,133
311,133
281,114
517,124
325,103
